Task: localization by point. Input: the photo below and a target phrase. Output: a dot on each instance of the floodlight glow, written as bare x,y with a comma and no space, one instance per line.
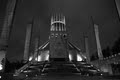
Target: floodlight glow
70,57
30,58
36,59
79,58
1,67
47,57
39,58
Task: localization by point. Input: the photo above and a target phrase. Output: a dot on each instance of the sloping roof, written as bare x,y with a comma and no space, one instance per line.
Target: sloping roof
46,46
71,46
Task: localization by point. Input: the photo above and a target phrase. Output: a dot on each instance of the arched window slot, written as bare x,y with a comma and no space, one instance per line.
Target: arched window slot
64,35
65,28
59,27
56,35
52,28
52,34
62,28
56,27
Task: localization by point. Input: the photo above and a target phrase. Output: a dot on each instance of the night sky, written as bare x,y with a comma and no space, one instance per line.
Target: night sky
78,21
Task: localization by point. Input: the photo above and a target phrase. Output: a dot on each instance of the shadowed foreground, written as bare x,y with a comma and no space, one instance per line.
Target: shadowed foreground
61,77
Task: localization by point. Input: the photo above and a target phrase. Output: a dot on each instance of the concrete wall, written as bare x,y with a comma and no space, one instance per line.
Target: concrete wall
73,55
44,55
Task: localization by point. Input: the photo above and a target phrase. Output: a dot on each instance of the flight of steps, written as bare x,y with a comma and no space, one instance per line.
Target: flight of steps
59,67
58,70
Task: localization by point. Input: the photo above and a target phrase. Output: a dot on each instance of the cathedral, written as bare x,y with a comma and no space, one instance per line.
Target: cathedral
58,47
57,55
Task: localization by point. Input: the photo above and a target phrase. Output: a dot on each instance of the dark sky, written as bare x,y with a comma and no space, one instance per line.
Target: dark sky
78,21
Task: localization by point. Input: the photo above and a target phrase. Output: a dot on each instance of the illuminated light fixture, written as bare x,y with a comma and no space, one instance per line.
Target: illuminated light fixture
39,58
36,59
21,70
0,77
47,57
70,57
1,67
30,58
79,58
26,75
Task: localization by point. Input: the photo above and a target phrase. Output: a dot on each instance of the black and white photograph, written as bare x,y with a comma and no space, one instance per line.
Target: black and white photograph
59,39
